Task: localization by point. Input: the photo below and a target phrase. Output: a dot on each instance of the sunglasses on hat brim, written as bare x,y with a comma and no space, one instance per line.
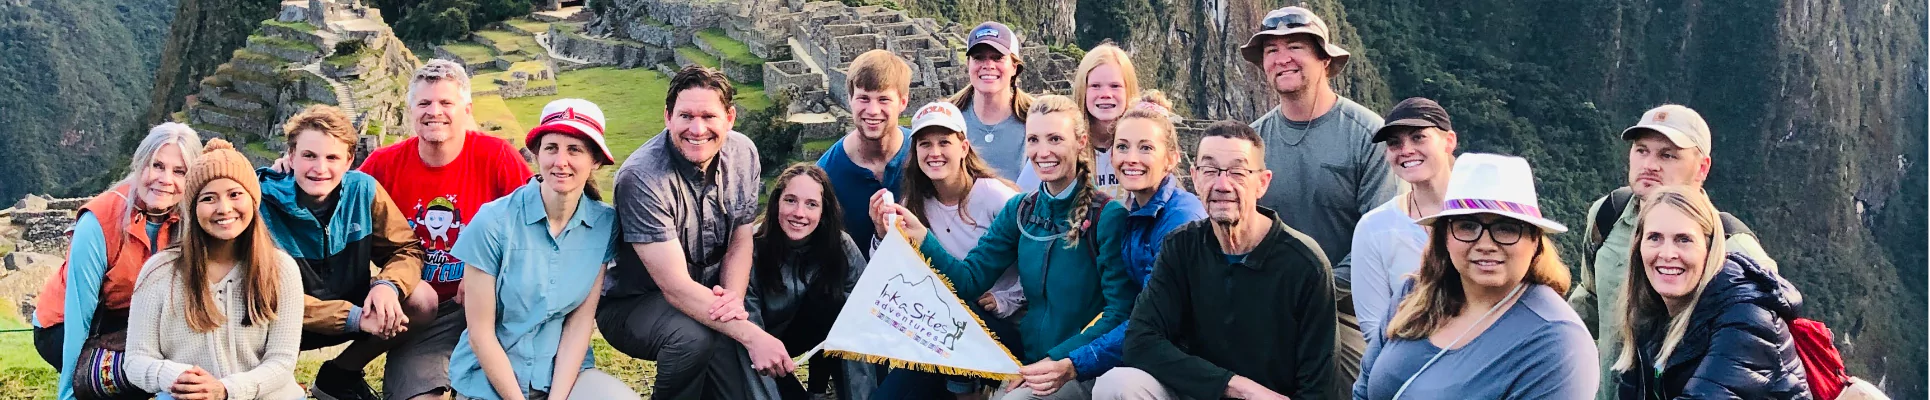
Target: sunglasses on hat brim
1286,21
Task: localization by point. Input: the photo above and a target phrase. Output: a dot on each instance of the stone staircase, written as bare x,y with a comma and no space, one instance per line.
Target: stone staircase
344,97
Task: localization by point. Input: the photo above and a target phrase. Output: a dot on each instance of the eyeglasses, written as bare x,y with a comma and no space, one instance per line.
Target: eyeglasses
1211,172
1286,21
1504,232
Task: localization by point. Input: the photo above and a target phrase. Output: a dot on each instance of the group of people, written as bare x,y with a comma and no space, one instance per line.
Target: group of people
1321,250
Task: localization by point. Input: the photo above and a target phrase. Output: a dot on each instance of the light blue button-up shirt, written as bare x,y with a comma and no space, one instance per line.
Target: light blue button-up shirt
539,280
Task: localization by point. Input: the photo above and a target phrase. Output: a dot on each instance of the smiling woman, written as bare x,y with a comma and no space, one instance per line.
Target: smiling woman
804,270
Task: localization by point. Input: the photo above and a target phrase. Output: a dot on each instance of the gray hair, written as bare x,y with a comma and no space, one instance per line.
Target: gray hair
437,70
174,133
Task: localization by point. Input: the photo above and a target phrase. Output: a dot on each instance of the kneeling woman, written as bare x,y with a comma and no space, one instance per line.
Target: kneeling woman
805,268
1704,323
1053,231
1484,316
535,262
220,315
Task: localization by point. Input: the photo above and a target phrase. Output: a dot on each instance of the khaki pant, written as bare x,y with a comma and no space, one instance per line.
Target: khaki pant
1074,390
590,384
1127,383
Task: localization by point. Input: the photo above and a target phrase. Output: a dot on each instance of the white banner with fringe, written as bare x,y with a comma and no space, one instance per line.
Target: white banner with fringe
904,314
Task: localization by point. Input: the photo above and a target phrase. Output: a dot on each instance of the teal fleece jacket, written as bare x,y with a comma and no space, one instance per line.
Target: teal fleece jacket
1066,287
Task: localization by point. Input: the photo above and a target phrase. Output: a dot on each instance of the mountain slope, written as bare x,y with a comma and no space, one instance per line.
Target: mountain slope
74,76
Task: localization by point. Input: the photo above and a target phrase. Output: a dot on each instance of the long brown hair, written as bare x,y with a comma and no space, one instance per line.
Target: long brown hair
257,253
1084,170
825,245
919,188
1641,307
1438,295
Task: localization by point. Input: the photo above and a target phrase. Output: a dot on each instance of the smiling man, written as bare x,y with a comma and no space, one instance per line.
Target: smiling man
685,201
1321,149
1670,146
441,175
872,156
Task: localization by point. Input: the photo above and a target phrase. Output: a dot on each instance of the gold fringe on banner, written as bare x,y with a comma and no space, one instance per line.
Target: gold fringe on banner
939,369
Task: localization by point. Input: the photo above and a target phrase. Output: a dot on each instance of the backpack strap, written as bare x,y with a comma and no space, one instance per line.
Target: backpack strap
1610,210
1093,209
1732,226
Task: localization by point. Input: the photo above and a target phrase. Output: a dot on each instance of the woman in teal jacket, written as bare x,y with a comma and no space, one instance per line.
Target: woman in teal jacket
1075,284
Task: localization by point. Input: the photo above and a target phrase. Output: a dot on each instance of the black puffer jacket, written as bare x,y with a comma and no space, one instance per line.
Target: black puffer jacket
1737,344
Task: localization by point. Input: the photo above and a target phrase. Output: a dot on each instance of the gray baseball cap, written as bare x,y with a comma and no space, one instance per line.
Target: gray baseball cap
1682,125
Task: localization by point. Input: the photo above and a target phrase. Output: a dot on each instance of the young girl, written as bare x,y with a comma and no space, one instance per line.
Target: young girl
113,235
535,262
805,267
959,195
1054,231
1104,86
220,315
1703,323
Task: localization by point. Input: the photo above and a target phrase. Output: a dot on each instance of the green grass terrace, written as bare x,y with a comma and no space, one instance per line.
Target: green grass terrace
735,51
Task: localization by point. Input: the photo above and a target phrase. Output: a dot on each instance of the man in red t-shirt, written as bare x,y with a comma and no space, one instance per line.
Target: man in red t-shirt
438,178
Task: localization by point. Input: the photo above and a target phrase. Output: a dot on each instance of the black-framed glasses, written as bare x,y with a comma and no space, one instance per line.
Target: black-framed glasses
1212,172
1286,21
1504,232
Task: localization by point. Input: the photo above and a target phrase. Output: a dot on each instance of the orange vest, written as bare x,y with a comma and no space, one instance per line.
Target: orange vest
127,249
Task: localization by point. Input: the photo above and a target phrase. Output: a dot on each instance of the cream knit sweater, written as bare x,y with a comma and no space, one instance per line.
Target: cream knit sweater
252,362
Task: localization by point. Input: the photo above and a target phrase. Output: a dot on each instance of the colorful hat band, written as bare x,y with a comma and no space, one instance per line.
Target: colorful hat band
1493,205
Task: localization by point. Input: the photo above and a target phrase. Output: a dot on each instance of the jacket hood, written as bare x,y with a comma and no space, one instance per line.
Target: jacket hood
1743,281
279,190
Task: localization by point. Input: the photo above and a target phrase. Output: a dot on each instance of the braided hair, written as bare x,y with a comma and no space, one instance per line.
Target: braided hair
1078,218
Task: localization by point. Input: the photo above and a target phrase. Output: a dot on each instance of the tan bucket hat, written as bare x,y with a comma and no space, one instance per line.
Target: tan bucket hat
1290,21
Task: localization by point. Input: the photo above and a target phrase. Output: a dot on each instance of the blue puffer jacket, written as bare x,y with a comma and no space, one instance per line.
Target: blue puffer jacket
1737,344
1146,227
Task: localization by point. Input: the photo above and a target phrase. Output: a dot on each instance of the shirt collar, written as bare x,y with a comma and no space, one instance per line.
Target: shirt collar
529,199
1167,188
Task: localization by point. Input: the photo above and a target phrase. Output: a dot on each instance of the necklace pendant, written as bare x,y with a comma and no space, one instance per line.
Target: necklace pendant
988,138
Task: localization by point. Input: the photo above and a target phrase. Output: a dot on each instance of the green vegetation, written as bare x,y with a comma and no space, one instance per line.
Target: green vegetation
298,26
281,43
469,52
510,42
697,55
92,58
441,21
735,51
533,27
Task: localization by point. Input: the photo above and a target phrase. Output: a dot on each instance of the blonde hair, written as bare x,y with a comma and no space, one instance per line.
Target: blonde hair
1640,306
322,118
1438,296
1084,170
1104,54
181,136
880,70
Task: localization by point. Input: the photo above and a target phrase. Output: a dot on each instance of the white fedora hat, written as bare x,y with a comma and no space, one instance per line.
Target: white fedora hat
1494,184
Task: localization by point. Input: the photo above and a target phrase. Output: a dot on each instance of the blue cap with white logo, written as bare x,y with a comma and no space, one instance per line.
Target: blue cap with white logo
993,34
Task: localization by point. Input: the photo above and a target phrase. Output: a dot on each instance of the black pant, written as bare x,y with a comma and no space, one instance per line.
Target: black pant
47,342
693,361
807,329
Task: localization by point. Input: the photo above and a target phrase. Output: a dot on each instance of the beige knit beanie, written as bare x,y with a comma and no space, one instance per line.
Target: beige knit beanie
220,160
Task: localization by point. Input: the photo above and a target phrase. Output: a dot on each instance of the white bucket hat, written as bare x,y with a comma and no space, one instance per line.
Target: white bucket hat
574,117
1494,184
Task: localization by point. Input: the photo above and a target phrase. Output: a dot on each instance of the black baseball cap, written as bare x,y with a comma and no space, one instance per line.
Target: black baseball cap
1415,112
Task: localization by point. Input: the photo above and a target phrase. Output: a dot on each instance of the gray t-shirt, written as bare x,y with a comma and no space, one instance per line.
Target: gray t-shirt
662,196
1538,349
1327,173
1002,144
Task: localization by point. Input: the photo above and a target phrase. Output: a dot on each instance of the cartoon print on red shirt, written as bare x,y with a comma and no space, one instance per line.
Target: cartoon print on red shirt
437,225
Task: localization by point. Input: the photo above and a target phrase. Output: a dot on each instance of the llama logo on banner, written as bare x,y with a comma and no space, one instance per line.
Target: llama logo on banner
902,313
